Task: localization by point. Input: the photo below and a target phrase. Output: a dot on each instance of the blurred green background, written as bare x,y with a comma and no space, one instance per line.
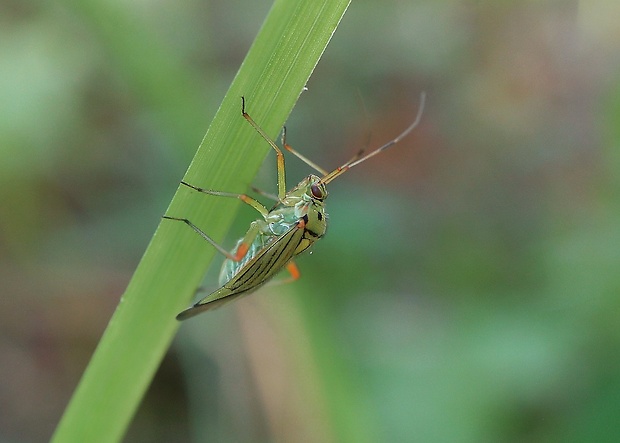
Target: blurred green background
468,288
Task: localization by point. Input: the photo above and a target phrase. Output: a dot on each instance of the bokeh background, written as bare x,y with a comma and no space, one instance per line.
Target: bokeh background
467,291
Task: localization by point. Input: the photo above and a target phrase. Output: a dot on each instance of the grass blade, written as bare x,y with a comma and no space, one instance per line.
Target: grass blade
271,78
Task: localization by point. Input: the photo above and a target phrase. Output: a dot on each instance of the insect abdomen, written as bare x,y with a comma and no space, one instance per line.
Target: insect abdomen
268,263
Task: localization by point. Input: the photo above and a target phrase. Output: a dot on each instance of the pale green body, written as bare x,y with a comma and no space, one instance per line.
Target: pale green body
298,203
290,228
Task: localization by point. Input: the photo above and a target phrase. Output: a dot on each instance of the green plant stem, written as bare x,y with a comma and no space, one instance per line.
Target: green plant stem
271,78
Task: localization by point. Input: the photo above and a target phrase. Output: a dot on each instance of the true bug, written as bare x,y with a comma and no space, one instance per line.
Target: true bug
290,227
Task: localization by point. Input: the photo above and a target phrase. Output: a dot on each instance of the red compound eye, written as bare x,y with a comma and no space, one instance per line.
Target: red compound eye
316,191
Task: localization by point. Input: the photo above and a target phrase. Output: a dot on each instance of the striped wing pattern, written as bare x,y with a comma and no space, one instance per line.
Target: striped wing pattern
254,274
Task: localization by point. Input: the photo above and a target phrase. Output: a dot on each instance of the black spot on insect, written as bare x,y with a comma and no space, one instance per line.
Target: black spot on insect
311,235
305,218
319,216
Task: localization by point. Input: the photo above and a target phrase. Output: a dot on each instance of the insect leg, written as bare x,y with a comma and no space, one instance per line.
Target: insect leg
241,250
268,195
244,198
294,271
247,240
203,235
300,156
279,155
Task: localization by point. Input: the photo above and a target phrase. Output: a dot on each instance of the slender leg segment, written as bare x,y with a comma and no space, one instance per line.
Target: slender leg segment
243,247
300,156
247,240
203,235
279,155
327,176
244,198
293,270
249,237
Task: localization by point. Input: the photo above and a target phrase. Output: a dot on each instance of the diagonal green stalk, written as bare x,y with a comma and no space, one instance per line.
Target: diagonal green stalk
271,78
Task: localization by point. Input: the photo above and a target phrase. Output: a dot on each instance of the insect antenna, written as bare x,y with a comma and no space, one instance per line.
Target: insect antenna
356,157
368,137
360,158
312,164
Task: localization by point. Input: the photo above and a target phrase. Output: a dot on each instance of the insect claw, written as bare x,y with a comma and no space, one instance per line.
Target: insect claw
176,218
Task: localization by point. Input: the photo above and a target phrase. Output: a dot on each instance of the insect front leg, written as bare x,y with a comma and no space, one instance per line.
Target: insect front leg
279,155
268,195
300,156
244,245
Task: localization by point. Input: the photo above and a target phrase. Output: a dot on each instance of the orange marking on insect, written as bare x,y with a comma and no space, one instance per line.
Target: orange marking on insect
241,251
293,270
299,214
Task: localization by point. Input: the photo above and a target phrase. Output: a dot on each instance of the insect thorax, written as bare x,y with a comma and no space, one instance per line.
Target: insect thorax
304,202
299,205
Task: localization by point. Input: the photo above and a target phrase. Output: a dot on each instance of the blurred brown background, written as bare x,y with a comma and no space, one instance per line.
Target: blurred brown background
468,289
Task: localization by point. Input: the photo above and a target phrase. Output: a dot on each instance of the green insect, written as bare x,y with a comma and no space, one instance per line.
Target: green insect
290,227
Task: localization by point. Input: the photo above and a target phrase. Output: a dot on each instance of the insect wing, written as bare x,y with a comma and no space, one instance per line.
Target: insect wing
211,301
267,263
